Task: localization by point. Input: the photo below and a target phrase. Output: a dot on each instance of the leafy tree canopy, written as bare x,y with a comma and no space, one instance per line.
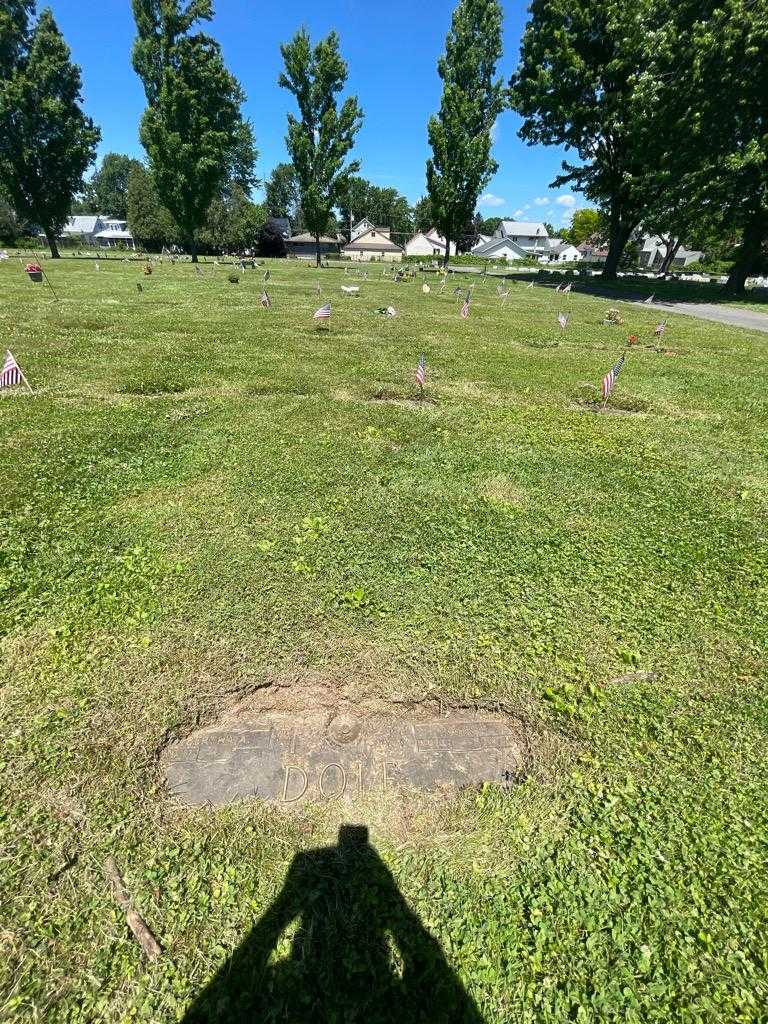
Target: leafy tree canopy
383,206
107,191
460,134
46,142
192,130
320,139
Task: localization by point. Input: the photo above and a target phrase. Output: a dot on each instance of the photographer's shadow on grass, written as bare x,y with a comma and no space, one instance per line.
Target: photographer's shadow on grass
358,952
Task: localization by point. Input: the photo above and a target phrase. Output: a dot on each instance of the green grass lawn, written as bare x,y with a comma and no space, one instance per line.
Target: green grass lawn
202,495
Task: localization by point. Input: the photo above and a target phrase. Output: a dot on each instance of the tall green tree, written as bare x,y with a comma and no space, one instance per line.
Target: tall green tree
714,137
192,130
422,215
233,221
489,225
149,221
384,206
584,224
460,134
46,141
318,142
577,85
107,191
282,191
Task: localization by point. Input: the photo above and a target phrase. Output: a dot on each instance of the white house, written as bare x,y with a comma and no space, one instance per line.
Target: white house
360,228
96,229
531,237
83,226
374,244
481,241
114,232
428,243
562,252
652,251
500,249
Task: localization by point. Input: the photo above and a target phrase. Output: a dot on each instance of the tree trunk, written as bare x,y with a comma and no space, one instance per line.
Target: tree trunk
317,249
673,247
750,252
447,250
620,232
193,250
50,237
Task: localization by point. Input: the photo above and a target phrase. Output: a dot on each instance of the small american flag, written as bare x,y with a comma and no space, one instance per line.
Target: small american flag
11,375
324,313
567,288
650,299
465,307
562,319
559,288
610,379
531,284
198,270
265,299
421,372
660,329
266,276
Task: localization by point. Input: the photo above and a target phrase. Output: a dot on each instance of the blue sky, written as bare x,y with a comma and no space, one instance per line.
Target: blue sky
391,48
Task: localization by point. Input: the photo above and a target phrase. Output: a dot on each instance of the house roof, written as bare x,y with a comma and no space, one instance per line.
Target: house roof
367,243
82,224
435,239
495,244
113,233
523,227
305,237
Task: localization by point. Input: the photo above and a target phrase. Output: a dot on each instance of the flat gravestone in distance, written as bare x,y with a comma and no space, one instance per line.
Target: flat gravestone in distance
288,757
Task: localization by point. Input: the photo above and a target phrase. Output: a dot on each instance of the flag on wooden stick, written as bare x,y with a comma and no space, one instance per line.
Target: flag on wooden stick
265,300
562,319
610,379
266,276
568,288
324,313
465,307
660,329
11,375
421,372
650,299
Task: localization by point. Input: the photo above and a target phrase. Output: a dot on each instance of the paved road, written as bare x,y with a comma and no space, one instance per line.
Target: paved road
721,314
724,314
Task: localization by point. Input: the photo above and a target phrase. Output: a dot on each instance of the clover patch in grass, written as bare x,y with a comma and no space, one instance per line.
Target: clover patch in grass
588,397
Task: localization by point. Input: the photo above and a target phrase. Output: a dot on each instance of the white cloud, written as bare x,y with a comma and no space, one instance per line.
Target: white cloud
518,213
541,201
565,201
489,199
495,132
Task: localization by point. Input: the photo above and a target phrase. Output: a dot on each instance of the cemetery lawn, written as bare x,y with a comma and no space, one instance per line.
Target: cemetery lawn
203,495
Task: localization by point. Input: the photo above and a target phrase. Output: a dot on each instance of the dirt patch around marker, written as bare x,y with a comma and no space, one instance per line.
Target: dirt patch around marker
307,738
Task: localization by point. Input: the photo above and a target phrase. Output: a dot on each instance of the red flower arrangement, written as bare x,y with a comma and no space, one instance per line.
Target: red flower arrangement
633,339
33,268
